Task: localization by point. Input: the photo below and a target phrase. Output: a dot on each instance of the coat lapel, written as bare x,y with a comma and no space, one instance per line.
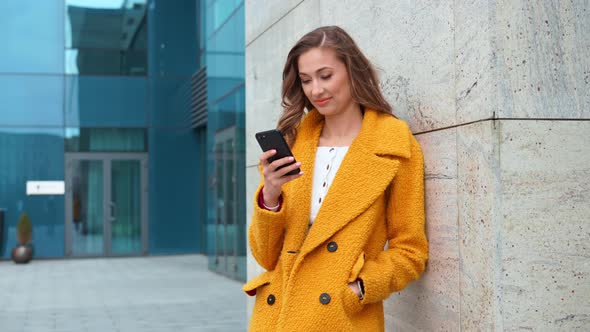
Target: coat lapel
367,169
299,191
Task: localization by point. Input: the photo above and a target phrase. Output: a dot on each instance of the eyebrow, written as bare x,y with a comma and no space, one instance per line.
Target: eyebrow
317,71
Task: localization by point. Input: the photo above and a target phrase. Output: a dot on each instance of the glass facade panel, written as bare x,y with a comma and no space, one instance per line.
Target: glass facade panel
173,34
87,207
174,192
125,206
79,72
98,101
107,38
226,223
106,140
32,36
229,35
220,11
32,154
105,62
28,100
170,101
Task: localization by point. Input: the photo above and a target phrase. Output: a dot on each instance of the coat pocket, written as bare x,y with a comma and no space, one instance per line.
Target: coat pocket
251,286
350,301
356,268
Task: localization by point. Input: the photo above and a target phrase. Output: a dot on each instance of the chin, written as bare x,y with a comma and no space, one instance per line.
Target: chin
326,110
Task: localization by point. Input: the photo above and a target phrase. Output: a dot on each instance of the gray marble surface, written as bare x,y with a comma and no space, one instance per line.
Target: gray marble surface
506,200
433,302
478,192
544,241
543,58
416,60
261,14
475,61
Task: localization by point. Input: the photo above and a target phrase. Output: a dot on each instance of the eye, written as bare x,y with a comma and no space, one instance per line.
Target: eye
305,81
326,77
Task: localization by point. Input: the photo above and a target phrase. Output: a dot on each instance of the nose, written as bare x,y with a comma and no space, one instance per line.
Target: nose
316,88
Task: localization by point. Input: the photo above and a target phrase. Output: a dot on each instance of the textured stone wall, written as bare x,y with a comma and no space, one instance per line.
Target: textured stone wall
498,94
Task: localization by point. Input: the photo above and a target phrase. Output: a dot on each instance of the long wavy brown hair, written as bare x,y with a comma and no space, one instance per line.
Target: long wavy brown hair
362,76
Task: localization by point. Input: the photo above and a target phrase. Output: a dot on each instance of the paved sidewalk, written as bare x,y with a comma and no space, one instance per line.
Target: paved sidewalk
148,294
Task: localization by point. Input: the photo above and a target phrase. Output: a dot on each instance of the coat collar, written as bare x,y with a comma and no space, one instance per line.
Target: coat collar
367,169
381,133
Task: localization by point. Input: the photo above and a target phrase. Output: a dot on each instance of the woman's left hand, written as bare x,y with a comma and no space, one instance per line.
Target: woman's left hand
354,286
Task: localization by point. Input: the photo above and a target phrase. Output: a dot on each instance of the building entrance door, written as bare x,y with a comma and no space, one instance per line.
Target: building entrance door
106,204
228,188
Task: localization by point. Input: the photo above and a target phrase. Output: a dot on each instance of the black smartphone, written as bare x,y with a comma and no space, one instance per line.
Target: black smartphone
273,139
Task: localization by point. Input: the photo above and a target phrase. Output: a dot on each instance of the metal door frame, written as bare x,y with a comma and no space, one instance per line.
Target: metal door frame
229,262
107,158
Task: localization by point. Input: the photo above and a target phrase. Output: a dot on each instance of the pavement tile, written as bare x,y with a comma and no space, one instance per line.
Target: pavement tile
158,293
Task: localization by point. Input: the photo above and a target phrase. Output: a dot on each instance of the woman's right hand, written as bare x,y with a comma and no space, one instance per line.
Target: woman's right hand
274,178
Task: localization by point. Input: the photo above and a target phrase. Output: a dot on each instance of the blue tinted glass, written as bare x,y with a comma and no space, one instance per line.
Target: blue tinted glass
226,220
28,154
219,11
31,100
106,140
104,24
230,36
106,62
106,37
32,36
170,101
231,103
225,57
174,47
176,203
225,66
106,101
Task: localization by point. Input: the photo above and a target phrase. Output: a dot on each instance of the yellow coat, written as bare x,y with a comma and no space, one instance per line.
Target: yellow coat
376,196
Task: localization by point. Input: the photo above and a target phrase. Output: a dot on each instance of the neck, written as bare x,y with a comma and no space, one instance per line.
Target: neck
341,129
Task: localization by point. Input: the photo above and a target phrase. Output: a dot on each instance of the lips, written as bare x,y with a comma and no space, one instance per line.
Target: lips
322,102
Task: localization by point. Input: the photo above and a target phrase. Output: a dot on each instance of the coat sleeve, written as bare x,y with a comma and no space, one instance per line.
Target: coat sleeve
266,233
407,252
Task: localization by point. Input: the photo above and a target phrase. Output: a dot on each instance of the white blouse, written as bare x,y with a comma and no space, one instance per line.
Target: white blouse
327,162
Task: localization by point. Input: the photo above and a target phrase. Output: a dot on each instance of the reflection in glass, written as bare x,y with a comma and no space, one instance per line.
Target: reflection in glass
218,12
99,101
125,207
87,207
173,35
106,37
106,139
229,223
170,101
220,227
32,36
31,100
32,154
177,202
105,62
225,136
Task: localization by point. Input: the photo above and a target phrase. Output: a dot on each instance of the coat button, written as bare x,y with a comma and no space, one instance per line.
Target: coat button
332,246
270,299
325,298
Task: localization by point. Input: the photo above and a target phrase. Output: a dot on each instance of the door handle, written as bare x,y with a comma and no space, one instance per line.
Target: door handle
113,210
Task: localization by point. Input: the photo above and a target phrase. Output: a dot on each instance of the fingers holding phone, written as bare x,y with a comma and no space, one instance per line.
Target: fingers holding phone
276,174
279,165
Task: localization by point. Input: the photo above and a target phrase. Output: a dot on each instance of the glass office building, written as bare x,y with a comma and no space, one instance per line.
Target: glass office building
138,106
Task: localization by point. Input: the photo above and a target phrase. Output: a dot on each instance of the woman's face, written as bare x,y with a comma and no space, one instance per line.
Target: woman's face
324,80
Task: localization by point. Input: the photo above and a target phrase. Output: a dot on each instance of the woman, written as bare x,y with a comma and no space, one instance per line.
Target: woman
323,250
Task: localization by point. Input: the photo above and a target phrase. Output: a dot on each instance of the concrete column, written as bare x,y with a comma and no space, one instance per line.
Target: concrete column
498,94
